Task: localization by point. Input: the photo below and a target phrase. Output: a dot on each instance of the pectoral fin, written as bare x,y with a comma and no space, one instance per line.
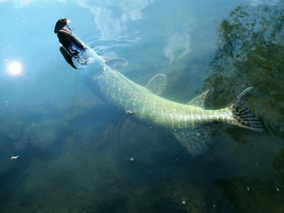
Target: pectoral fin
199,100
117,63
109,55
157,84
196,141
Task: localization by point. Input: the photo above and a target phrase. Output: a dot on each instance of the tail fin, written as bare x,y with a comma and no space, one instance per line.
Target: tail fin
242,116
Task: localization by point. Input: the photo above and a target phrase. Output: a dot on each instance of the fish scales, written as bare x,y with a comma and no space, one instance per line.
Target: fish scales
152,108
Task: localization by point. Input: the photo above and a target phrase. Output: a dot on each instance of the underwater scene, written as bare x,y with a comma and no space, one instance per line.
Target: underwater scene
87,138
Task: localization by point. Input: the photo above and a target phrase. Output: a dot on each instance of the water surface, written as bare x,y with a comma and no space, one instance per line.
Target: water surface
75,150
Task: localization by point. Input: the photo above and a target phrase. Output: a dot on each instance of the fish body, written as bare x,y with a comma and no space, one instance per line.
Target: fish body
188,122
129,96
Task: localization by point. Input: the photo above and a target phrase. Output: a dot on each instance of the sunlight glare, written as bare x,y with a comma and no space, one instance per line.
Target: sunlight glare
14,68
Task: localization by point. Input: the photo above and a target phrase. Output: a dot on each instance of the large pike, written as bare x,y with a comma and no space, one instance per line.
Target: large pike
188,122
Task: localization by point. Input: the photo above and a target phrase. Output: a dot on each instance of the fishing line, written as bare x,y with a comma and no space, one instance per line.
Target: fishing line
73,106
71,121
64,16
60,8
75,97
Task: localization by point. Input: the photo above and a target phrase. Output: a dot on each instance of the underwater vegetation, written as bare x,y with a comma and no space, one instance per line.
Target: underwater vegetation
251,53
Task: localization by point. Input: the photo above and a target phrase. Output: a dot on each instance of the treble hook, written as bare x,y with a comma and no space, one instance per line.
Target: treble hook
69,27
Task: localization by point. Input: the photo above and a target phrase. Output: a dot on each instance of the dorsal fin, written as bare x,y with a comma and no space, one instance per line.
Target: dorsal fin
199,100
117,63
157,84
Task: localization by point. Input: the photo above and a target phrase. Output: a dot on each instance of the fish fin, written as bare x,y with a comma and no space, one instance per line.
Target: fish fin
199,100
109,55
157,84
242,116
196,141
117,63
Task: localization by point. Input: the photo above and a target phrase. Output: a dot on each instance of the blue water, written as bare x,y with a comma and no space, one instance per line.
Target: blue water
74,150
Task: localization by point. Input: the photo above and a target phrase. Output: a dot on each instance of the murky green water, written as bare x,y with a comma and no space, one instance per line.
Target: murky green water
75,150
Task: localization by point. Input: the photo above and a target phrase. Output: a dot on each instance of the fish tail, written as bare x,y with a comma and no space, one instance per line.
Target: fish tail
242,116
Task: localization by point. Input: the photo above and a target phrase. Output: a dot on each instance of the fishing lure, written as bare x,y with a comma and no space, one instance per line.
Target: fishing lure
72,52
61,23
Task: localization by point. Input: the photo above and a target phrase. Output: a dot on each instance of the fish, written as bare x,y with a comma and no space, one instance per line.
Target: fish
190,123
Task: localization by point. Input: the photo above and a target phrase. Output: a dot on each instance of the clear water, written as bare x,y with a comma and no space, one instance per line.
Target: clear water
75,150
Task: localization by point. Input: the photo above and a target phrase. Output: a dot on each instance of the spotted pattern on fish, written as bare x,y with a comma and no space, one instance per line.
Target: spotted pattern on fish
126,94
